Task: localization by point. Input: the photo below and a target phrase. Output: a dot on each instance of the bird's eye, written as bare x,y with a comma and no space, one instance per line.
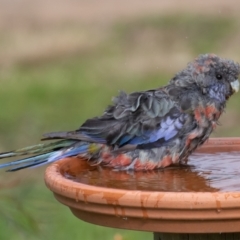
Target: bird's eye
218,76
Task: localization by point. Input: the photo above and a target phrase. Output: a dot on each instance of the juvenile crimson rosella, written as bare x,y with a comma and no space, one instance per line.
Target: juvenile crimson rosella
150,129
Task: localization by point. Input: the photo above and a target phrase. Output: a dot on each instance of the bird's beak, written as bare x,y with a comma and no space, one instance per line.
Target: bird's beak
235,85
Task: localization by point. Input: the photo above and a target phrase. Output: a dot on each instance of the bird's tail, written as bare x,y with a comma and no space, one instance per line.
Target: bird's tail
48,152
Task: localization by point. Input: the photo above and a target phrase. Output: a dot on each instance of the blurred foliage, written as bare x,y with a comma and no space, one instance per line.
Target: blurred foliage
60,93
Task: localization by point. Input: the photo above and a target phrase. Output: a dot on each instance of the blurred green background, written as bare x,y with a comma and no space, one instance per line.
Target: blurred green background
61,62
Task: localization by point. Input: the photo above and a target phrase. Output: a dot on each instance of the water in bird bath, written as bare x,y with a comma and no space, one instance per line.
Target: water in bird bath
215,172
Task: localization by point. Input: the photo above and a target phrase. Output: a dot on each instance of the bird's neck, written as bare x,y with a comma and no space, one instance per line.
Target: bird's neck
205,107
209,107
217,93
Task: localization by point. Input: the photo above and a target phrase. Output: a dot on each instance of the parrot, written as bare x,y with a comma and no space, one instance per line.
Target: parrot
145,130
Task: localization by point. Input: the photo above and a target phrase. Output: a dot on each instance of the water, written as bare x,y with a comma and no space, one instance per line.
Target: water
204,173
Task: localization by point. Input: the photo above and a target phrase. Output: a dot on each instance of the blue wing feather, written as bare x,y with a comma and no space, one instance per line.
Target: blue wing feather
154,116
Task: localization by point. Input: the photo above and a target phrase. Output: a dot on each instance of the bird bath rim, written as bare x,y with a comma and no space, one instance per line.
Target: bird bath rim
179,212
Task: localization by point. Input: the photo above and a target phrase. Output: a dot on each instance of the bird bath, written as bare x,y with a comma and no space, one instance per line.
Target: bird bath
175,203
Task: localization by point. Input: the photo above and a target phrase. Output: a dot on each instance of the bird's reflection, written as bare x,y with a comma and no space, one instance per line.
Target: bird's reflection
172,179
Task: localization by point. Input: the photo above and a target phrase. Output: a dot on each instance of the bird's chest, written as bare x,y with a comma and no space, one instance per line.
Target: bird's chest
207,116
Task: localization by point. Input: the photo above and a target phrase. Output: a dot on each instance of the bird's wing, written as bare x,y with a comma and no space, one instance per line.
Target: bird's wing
140,118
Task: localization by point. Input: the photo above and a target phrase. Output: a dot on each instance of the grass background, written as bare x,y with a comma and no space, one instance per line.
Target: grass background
60,67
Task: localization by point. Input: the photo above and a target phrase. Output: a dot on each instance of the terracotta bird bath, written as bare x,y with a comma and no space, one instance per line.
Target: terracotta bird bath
189,202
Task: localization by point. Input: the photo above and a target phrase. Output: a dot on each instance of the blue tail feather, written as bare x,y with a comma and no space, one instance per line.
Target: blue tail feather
43,162
60,150
69,153
34,159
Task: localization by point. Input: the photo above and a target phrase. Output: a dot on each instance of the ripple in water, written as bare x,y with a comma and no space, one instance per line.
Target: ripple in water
204,173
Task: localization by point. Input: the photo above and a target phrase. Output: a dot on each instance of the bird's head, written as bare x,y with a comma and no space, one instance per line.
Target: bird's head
211,74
